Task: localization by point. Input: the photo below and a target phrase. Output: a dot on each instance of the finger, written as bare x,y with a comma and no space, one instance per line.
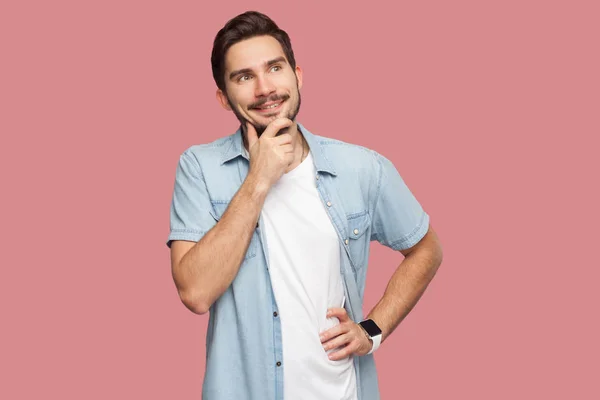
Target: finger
287,148
339,313
251,135
333,332
345,352
337,341
283,139
274,127
289,158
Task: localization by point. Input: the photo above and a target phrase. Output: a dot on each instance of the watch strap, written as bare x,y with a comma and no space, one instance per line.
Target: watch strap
376,342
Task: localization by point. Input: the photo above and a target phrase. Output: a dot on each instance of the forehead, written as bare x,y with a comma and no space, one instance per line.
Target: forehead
252,53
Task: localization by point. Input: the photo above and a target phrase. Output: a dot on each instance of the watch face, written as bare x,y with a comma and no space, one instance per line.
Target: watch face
371,327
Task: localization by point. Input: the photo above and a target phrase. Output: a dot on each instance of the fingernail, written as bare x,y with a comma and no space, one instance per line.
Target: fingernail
321,337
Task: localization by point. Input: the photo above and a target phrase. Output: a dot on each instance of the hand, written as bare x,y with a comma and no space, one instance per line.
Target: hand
348,334
270,155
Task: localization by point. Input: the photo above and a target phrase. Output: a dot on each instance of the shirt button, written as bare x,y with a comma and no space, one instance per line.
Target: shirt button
275,314
317,176
346,241
328,204
278,363
356,231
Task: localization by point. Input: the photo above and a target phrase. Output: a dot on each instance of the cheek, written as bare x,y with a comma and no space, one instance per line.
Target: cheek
293,89
239,104
239,97
289,83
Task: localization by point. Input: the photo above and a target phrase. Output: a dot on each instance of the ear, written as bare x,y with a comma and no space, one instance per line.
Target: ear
222,99
299,76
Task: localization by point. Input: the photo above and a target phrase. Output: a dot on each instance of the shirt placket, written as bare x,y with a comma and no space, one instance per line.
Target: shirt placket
336,213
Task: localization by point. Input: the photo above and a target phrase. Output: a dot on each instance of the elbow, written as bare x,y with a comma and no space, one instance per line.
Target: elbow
194,302
434,259
440,254
437,256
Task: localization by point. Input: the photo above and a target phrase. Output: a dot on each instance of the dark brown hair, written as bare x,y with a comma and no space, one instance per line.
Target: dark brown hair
245,26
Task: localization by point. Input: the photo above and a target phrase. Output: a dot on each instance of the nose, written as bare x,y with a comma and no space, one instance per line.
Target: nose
264,87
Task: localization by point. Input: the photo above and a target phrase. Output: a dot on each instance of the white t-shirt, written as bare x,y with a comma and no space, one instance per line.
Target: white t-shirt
304,265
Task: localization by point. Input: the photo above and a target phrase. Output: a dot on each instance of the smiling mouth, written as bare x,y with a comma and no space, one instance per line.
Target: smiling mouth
269,107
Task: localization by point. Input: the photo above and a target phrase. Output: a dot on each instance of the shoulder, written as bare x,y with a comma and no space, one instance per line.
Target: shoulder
199,159
209,157
207,151
349,157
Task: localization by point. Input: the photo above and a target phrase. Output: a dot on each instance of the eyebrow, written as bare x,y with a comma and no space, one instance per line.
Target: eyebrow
249,70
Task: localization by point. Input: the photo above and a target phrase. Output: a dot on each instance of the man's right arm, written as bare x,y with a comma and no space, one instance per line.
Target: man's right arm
202,271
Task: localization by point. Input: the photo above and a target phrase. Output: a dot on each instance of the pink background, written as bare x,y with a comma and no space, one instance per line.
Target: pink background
489,112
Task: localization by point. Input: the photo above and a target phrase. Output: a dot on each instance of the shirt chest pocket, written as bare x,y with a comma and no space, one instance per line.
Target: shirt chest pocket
358,238
218,209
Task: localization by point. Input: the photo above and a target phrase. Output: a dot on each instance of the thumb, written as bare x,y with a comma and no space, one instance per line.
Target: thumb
251,134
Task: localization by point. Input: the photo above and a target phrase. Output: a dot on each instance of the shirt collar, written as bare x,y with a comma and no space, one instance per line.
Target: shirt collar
236,149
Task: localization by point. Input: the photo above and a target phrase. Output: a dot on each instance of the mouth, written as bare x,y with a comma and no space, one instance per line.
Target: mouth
269,107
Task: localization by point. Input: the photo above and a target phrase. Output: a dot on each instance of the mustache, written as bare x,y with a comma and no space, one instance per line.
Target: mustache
259,103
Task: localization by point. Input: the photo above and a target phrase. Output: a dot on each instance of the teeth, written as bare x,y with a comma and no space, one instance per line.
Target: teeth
271,106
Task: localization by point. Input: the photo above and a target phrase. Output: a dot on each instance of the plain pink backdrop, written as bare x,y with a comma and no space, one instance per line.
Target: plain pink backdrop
489,110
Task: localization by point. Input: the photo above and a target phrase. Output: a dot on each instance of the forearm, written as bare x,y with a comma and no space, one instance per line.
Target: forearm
405,288
209,267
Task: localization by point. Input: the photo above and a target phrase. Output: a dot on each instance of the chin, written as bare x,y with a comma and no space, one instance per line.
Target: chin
268,118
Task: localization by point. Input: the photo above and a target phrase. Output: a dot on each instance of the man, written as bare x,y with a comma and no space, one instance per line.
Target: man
270,232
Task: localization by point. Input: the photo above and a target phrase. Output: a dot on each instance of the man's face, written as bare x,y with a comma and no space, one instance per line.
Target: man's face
260,84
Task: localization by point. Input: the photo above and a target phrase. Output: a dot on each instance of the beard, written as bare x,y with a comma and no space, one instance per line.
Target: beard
260,128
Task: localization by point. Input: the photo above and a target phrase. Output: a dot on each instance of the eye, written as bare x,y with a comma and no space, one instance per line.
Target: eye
275,68
243,78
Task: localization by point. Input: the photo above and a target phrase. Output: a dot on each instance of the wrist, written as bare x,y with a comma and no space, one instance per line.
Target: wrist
366,334
256,187
369,339
373,333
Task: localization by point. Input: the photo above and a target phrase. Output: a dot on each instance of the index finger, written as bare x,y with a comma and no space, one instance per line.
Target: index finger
275,126
339,313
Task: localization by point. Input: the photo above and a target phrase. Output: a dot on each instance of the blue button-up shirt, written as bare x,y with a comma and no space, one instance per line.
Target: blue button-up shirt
365,198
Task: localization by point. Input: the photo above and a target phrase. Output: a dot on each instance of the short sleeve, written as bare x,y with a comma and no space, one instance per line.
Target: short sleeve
398,220
190,215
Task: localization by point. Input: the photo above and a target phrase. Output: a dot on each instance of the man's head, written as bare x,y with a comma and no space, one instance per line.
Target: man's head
255,70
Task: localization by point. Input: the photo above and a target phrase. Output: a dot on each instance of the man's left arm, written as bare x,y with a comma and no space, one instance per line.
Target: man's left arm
405,288
408,283
398,222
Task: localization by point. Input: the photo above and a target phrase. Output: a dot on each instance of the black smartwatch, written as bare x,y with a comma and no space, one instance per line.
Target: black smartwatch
374,332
